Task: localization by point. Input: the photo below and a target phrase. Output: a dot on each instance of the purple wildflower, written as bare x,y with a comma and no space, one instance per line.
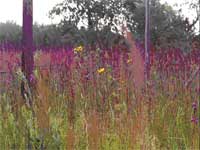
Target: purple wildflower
194,120
32,78
194,105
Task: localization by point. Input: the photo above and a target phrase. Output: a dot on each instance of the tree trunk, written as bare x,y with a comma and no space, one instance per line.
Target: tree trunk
89,15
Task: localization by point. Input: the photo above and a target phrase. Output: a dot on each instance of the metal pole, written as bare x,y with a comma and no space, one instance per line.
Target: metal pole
199,17
147,40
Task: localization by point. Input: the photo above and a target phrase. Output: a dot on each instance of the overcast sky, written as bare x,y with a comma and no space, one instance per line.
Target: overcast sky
12,10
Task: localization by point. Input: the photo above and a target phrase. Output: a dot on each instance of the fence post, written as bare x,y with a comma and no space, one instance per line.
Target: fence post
27,39
27,43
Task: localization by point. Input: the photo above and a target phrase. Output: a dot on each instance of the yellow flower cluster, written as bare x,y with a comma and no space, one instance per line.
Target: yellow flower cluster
129,61
101,70
78,49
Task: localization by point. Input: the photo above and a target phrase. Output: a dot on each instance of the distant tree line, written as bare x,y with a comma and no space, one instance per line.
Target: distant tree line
59,35
10,32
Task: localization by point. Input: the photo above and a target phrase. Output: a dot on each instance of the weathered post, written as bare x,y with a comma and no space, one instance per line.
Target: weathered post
27,51
27,55
147,40
27,39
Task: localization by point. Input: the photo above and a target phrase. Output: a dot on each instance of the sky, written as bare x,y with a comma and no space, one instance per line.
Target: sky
12,10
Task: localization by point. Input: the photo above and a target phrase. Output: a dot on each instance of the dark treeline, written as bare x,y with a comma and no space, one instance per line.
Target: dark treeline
57,36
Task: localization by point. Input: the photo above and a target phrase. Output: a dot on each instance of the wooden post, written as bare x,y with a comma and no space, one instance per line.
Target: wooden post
27,59
27,39
147,40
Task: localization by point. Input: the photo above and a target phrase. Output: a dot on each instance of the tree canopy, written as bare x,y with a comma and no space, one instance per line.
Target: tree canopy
168,27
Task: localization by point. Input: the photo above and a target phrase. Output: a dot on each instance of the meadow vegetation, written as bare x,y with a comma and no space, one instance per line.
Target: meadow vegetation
88,100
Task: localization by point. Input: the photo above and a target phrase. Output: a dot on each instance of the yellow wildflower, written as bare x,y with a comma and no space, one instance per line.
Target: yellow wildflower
78,49
101,70
122,81
129,61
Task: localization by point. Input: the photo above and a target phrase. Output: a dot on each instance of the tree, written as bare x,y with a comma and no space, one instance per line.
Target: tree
95,16
46,35
195,5
10,32
96,13
168,27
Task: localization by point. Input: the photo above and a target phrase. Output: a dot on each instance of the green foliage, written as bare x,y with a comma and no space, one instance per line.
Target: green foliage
47,35
97,13
87,21
10,32
168,27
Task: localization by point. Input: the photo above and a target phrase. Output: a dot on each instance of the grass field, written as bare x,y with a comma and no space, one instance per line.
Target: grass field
90,100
